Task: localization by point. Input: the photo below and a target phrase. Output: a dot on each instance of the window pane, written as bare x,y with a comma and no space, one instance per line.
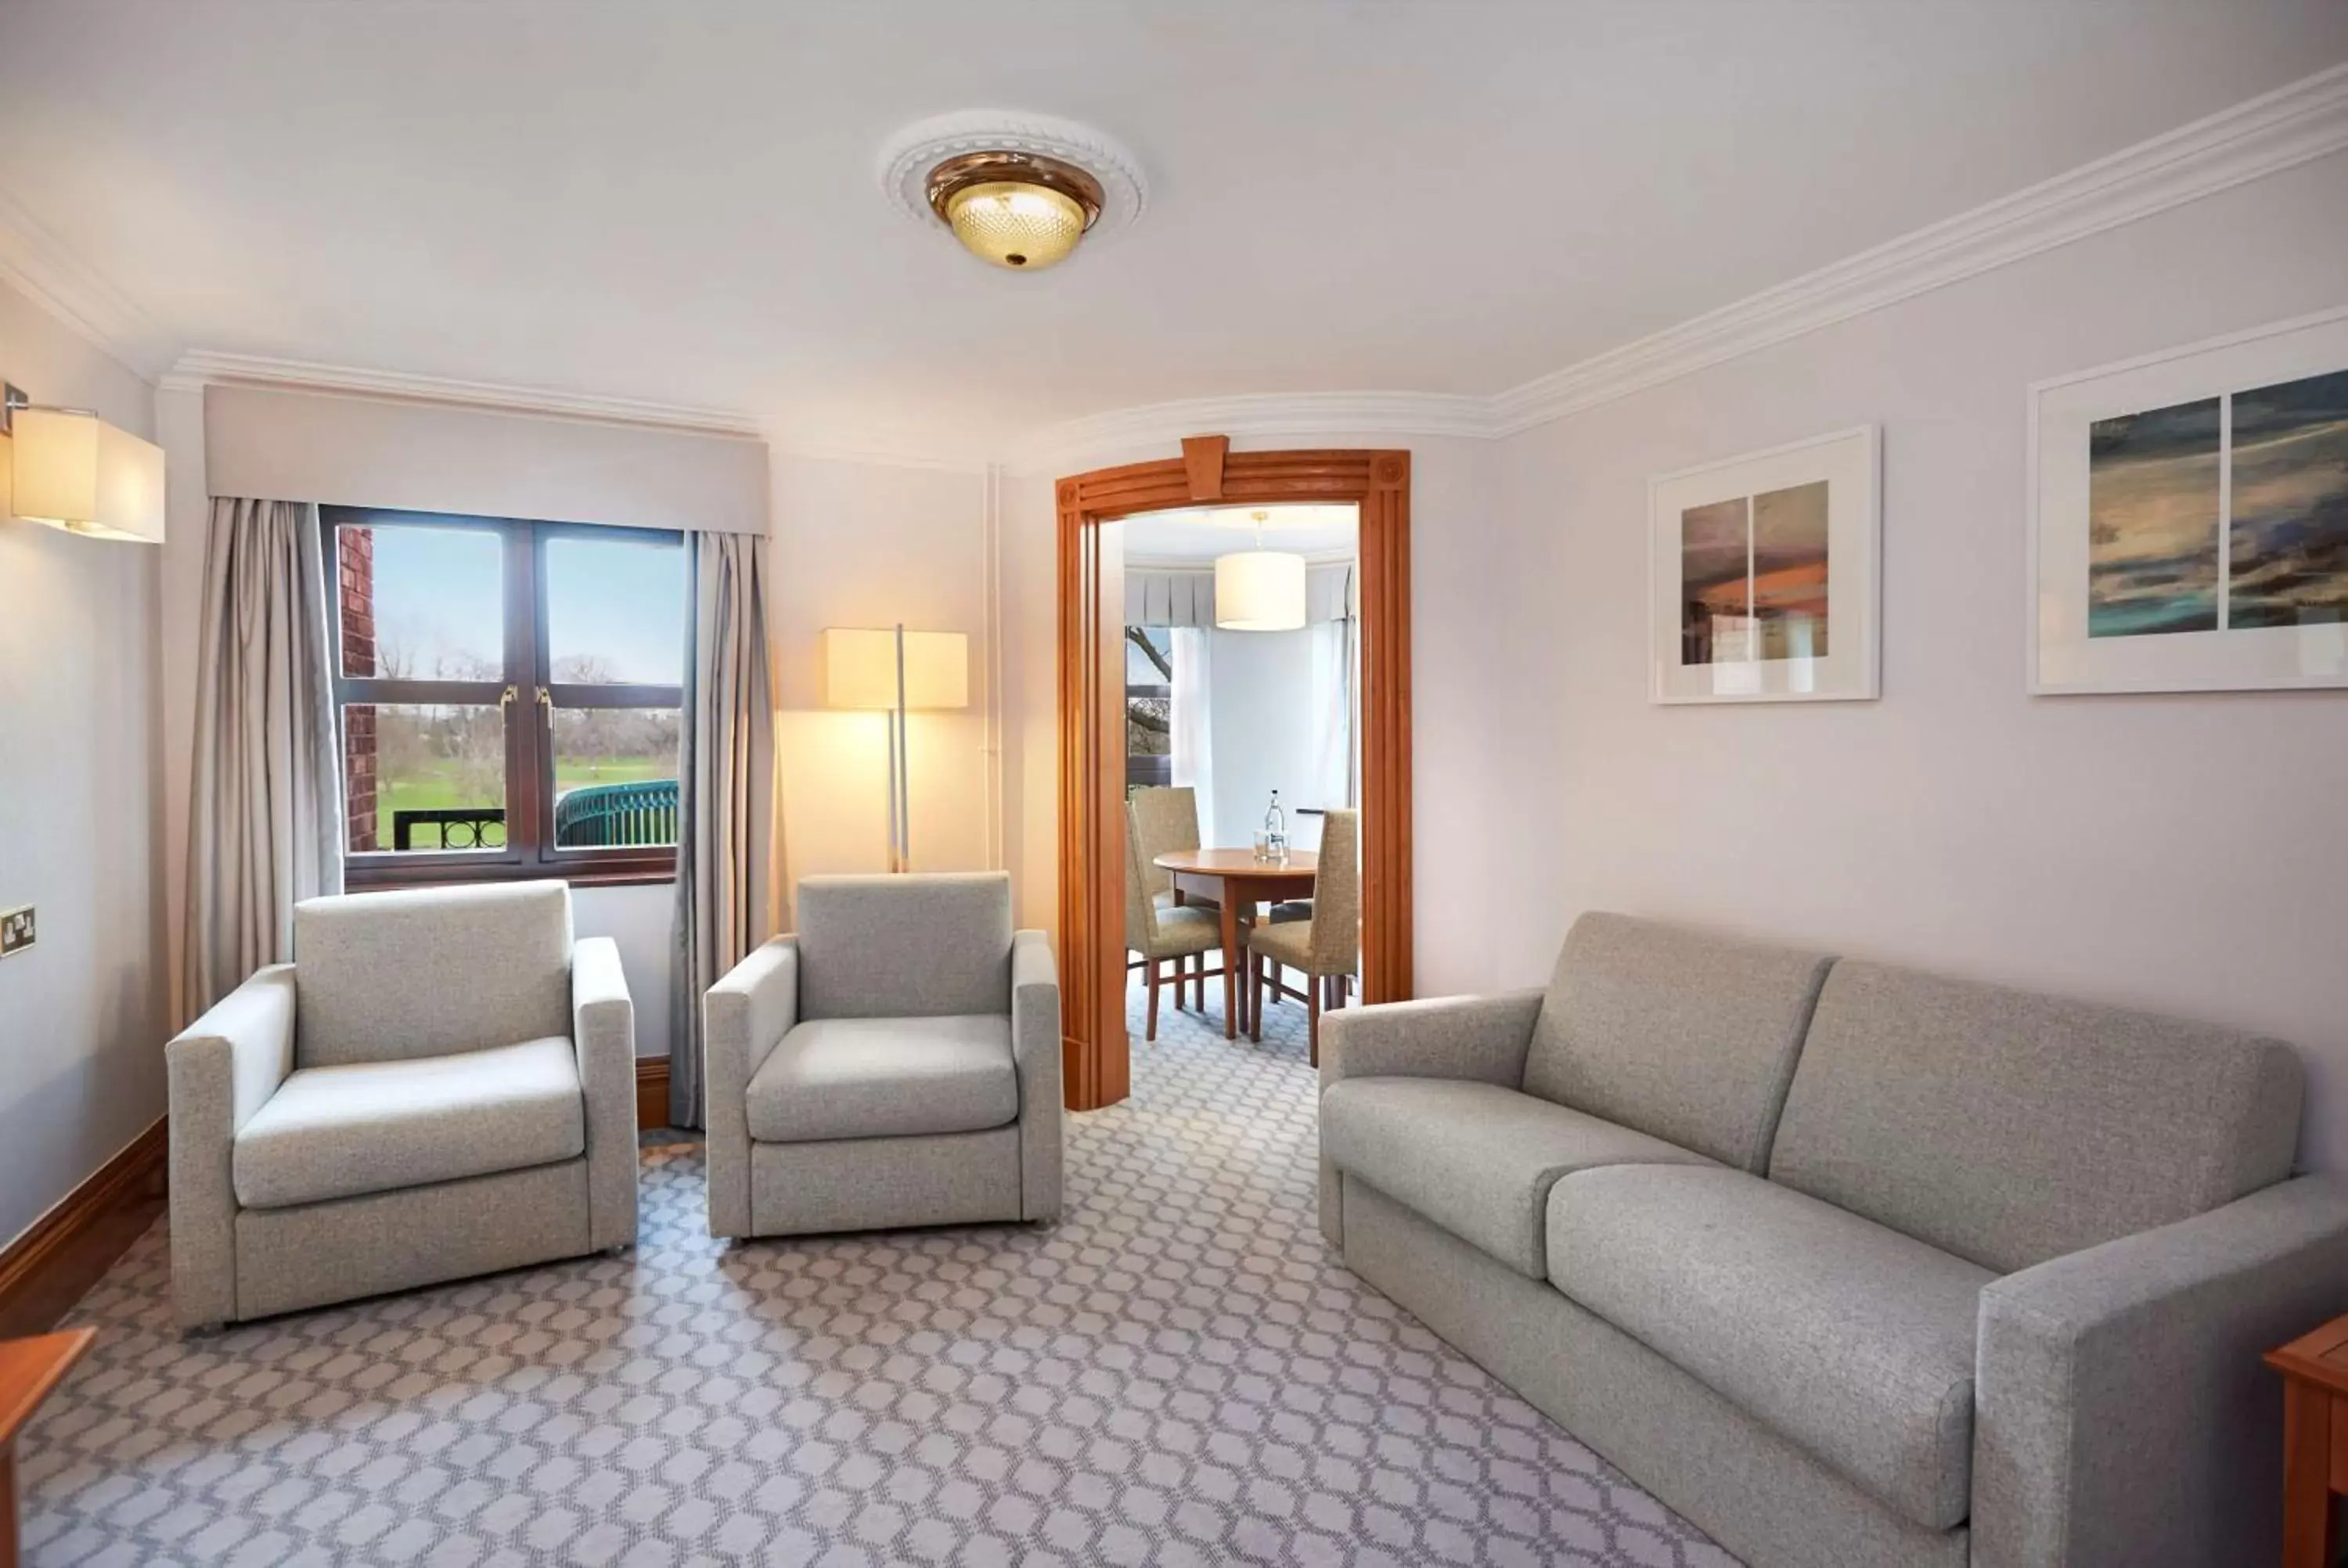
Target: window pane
1148,656
422,776
421,603
1149,725
615,612
614,777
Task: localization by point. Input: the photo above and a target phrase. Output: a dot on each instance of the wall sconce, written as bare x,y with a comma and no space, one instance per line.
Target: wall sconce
74,471
896,671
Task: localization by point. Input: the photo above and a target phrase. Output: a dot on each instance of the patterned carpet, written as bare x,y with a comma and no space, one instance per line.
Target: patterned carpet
1177,1374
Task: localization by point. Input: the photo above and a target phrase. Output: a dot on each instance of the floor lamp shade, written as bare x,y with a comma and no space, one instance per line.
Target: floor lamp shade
859,668
893,670
75,471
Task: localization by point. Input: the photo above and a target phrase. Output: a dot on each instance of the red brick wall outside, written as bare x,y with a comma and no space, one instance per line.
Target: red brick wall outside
354,572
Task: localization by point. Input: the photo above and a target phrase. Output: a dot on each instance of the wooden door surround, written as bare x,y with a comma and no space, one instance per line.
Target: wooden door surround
1096,1068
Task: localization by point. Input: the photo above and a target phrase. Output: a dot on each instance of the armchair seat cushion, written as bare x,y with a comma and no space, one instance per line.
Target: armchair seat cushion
380,1126
885,1078
1475,1158
1850,1339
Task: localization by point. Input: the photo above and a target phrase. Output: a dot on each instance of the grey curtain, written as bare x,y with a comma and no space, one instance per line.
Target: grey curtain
726,876
265,808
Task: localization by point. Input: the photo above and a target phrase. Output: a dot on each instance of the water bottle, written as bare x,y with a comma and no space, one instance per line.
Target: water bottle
1275,831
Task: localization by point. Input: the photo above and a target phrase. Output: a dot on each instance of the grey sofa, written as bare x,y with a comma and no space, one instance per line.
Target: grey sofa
1852,1266
442,1083
894,1062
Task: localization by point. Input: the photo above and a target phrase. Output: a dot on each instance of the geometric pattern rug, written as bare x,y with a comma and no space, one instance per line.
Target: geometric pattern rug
1178,1373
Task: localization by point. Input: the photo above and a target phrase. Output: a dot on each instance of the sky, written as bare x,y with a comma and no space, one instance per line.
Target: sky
440,592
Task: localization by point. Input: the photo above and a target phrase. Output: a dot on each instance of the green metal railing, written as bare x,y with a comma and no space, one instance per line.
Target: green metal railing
605,816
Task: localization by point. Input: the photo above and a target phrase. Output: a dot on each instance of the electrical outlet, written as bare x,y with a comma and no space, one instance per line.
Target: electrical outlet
16,929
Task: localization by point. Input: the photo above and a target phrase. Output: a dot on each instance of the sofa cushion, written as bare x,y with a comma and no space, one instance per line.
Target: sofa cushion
932,945
2009,1128
1475,1158
1853,1341
1687,1037
380,1126
429,971
885,1078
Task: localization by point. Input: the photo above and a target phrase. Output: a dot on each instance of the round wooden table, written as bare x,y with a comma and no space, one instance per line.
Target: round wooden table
1240,879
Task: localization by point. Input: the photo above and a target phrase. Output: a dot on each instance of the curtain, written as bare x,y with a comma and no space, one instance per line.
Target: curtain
1336,687
266,799
726,881
1194,759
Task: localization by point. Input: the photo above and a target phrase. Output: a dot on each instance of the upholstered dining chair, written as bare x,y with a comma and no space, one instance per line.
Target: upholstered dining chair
442,1083
895,1061
1165,819
1326,947
1159,931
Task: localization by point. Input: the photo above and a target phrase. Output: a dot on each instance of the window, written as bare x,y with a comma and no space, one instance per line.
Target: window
1148,706
510,696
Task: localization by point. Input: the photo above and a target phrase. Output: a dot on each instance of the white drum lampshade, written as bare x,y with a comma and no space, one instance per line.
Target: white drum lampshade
859,668
1260,591
74,471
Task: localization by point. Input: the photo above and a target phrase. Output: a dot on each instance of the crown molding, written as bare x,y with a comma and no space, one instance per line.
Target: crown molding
2263,135
203,367
37,265
1100,436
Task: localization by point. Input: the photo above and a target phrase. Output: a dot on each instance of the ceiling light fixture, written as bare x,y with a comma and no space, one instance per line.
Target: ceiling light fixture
1259,590
1018,190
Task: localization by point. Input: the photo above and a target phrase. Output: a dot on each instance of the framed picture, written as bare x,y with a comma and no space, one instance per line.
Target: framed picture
2189,517
1761,574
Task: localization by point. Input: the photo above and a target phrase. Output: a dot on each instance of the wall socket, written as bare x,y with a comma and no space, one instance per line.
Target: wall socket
16,929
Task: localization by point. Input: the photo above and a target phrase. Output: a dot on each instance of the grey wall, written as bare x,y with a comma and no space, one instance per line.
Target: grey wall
2184,852
82,1013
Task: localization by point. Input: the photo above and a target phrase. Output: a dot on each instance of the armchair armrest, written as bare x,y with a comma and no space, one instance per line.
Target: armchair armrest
604,1033
1035,1053
219,1071
743,1018
2122,1412
1482,1038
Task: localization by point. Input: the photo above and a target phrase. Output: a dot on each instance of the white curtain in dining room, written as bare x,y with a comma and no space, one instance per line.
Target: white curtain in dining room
1336,767
1194,761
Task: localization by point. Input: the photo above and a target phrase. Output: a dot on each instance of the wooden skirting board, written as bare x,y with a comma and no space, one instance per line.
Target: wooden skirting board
651,1092
45,1271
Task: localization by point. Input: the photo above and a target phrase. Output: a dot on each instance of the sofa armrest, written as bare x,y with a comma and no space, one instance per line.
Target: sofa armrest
743,1018
604,1033
2122,1412
1483,1038
220,1070
1035,1053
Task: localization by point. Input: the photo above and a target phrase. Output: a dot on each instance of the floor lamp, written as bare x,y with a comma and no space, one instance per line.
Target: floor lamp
896,671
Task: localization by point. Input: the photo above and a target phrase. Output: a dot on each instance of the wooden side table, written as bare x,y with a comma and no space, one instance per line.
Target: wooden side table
2315,1443
29,1371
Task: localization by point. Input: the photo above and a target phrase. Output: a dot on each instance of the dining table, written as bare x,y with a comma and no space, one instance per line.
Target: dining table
1237,878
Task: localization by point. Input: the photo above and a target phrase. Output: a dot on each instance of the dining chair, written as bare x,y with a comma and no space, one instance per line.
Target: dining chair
1169,819
1326,947
1163,932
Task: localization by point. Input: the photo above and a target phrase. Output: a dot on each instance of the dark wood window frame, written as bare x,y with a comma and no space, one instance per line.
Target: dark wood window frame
527,695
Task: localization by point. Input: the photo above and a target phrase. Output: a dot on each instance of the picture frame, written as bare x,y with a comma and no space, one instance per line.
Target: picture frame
1764,574
2189,517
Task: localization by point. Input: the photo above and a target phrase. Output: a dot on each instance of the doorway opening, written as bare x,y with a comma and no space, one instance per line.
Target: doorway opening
1157,668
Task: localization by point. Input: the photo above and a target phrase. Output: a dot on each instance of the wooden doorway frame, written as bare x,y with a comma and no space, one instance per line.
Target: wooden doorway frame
1095,1058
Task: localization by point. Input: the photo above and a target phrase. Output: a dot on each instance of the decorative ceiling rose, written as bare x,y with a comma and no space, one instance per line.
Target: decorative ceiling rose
1018,190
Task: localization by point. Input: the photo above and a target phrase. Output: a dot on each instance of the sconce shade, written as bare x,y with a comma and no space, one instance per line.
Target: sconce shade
859,668
1260,591
77,471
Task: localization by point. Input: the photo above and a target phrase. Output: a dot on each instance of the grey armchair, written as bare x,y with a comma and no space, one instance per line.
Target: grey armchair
442,1084
895,1063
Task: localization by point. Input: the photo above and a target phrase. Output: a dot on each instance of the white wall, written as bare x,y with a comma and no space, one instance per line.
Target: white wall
82,1014
1263,728
2188,854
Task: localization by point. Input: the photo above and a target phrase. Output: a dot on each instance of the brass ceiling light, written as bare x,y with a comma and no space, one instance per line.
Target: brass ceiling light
1016,210
1020,190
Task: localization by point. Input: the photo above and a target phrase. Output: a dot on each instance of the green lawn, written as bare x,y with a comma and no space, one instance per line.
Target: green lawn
437,789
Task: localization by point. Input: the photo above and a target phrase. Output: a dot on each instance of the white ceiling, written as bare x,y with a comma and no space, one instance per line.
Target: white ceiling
1196,535
678,202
